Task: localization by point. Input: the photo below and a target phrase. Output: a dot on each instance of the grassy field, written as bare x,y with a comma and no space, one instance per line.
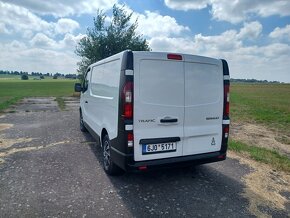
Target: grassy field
262,103
12,90
267,105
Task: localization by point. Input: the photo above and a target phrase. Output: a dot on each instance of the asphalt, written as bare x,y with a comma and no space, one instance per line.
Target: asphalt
52,169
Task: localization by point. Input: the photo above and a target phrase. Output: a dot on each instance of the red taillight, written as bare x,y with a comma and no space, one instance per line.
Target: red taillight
130,139
128,110
226,131
174,56
128,100
226,100
142,168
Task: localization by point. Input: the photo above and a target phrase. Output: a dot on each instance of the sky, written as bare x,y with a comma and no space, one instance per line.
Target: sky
252,35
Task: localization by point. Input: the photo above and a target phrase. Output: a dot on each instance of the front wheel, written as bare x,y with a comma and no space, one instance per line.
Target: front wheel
109,166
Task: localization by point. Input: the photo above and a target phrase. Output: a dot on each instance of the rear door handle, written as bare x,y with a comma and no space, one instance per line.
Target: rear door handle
86,102
169,120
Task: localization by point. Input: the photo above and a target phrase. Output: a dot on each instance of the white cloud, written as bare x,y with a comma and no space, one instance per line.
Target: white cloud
269,62
234,11
251,30
227,41
65,25
67,44
70,41
280,33
32,59
187,4
153,24
15,19
42,41
61,8
19,19
172,44
3,28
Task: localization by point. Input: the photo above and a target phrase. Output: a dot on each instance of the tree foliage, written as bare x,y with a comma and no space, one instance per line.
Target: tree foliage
105,40
24,77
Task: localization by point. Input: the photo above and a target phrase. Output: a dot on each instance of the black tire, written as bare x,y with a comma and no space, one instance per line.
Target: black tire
82,125
109,166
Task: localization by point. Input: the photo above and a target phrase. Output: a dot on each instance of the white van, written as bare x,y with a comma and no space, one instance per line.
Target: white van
153,109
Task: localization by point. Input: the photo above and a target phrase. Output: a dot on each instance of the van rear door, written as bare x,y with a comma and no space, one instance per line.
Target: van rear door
178,105
158,106
203,105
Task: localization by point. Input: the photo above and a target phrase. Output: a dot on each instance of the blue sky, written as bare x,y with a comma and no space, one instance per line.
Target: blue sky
252,35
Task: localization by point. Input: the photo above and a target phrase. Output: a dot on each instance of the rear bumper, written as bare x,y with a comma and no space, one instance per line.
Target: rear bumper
176,161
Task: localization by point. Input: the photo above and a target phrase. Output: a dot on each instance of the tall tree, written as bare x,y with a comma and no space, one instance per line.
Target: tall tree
105,40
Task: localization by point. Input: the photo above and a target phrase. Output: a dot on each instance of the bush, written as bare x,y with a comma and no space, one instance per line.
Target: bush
24,77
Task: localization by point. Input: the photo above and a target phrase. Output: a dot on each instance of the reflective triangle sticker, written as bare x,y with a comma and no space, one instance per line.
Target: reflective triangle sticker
213,141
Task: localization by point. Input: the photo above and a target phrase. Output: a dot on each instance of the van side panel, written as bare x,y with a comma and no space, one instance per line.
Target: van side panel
104,97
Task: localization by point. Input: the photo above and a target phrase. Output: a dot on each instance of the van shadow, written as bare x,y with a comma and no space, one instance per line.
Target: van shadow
203,190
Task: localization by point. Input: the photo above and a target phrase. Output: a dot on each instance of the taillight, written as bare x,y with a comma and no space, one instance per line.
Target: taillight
226,131
226,101
130,139
128,100
128,110
226,118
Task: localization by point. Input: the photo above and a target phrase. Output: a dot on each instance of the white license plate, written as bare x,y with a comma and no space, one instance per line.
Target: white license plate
158,148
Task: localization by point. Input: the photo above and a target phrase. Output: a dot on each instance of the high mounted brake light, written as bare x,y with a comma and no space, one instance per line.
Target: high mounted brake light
174,57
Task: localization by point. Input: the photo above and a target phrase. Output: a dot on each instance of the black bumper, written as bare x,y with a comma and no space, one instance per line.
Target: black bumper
175,161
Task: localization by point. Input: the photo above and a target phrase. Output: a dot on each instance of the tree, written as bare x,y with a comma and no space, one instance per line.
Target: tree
103,41
24,77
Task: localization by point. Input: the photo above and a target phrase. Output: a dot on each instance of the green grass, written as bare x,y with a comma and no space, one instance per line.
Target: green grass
267,156
267,104
60,102
13,90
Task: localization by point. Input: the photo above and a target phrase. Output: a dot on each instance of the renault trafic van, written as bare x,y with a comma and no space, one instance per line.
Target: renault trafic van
151,109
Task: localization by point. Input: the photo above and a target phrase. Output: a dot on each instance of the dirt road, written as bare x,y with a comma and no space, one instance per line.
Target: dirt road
48,168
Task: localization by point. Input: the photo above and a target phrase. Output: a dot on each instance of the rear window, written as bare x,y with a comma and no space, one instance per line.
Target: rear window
162,82
203,84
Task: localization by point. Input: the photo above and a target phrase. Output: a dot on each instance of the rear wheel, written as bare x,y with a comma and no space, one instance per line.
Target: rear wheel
109,166
82,126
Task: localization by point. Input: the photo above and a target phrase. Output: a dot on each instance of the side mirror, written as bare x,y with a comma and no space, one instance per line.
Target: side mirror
78,87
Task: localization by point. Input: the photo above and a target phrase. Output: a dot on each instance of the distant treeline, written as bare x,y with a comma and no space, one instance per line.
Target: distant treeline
61,75
252,81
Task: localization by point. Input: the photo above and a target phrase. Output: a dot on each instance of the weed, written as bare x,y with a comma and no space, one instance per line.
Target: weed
271,157
60,102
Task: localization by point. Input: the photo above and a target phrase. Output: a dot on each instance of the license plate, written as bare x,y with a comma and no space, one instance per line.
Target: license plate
158,148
